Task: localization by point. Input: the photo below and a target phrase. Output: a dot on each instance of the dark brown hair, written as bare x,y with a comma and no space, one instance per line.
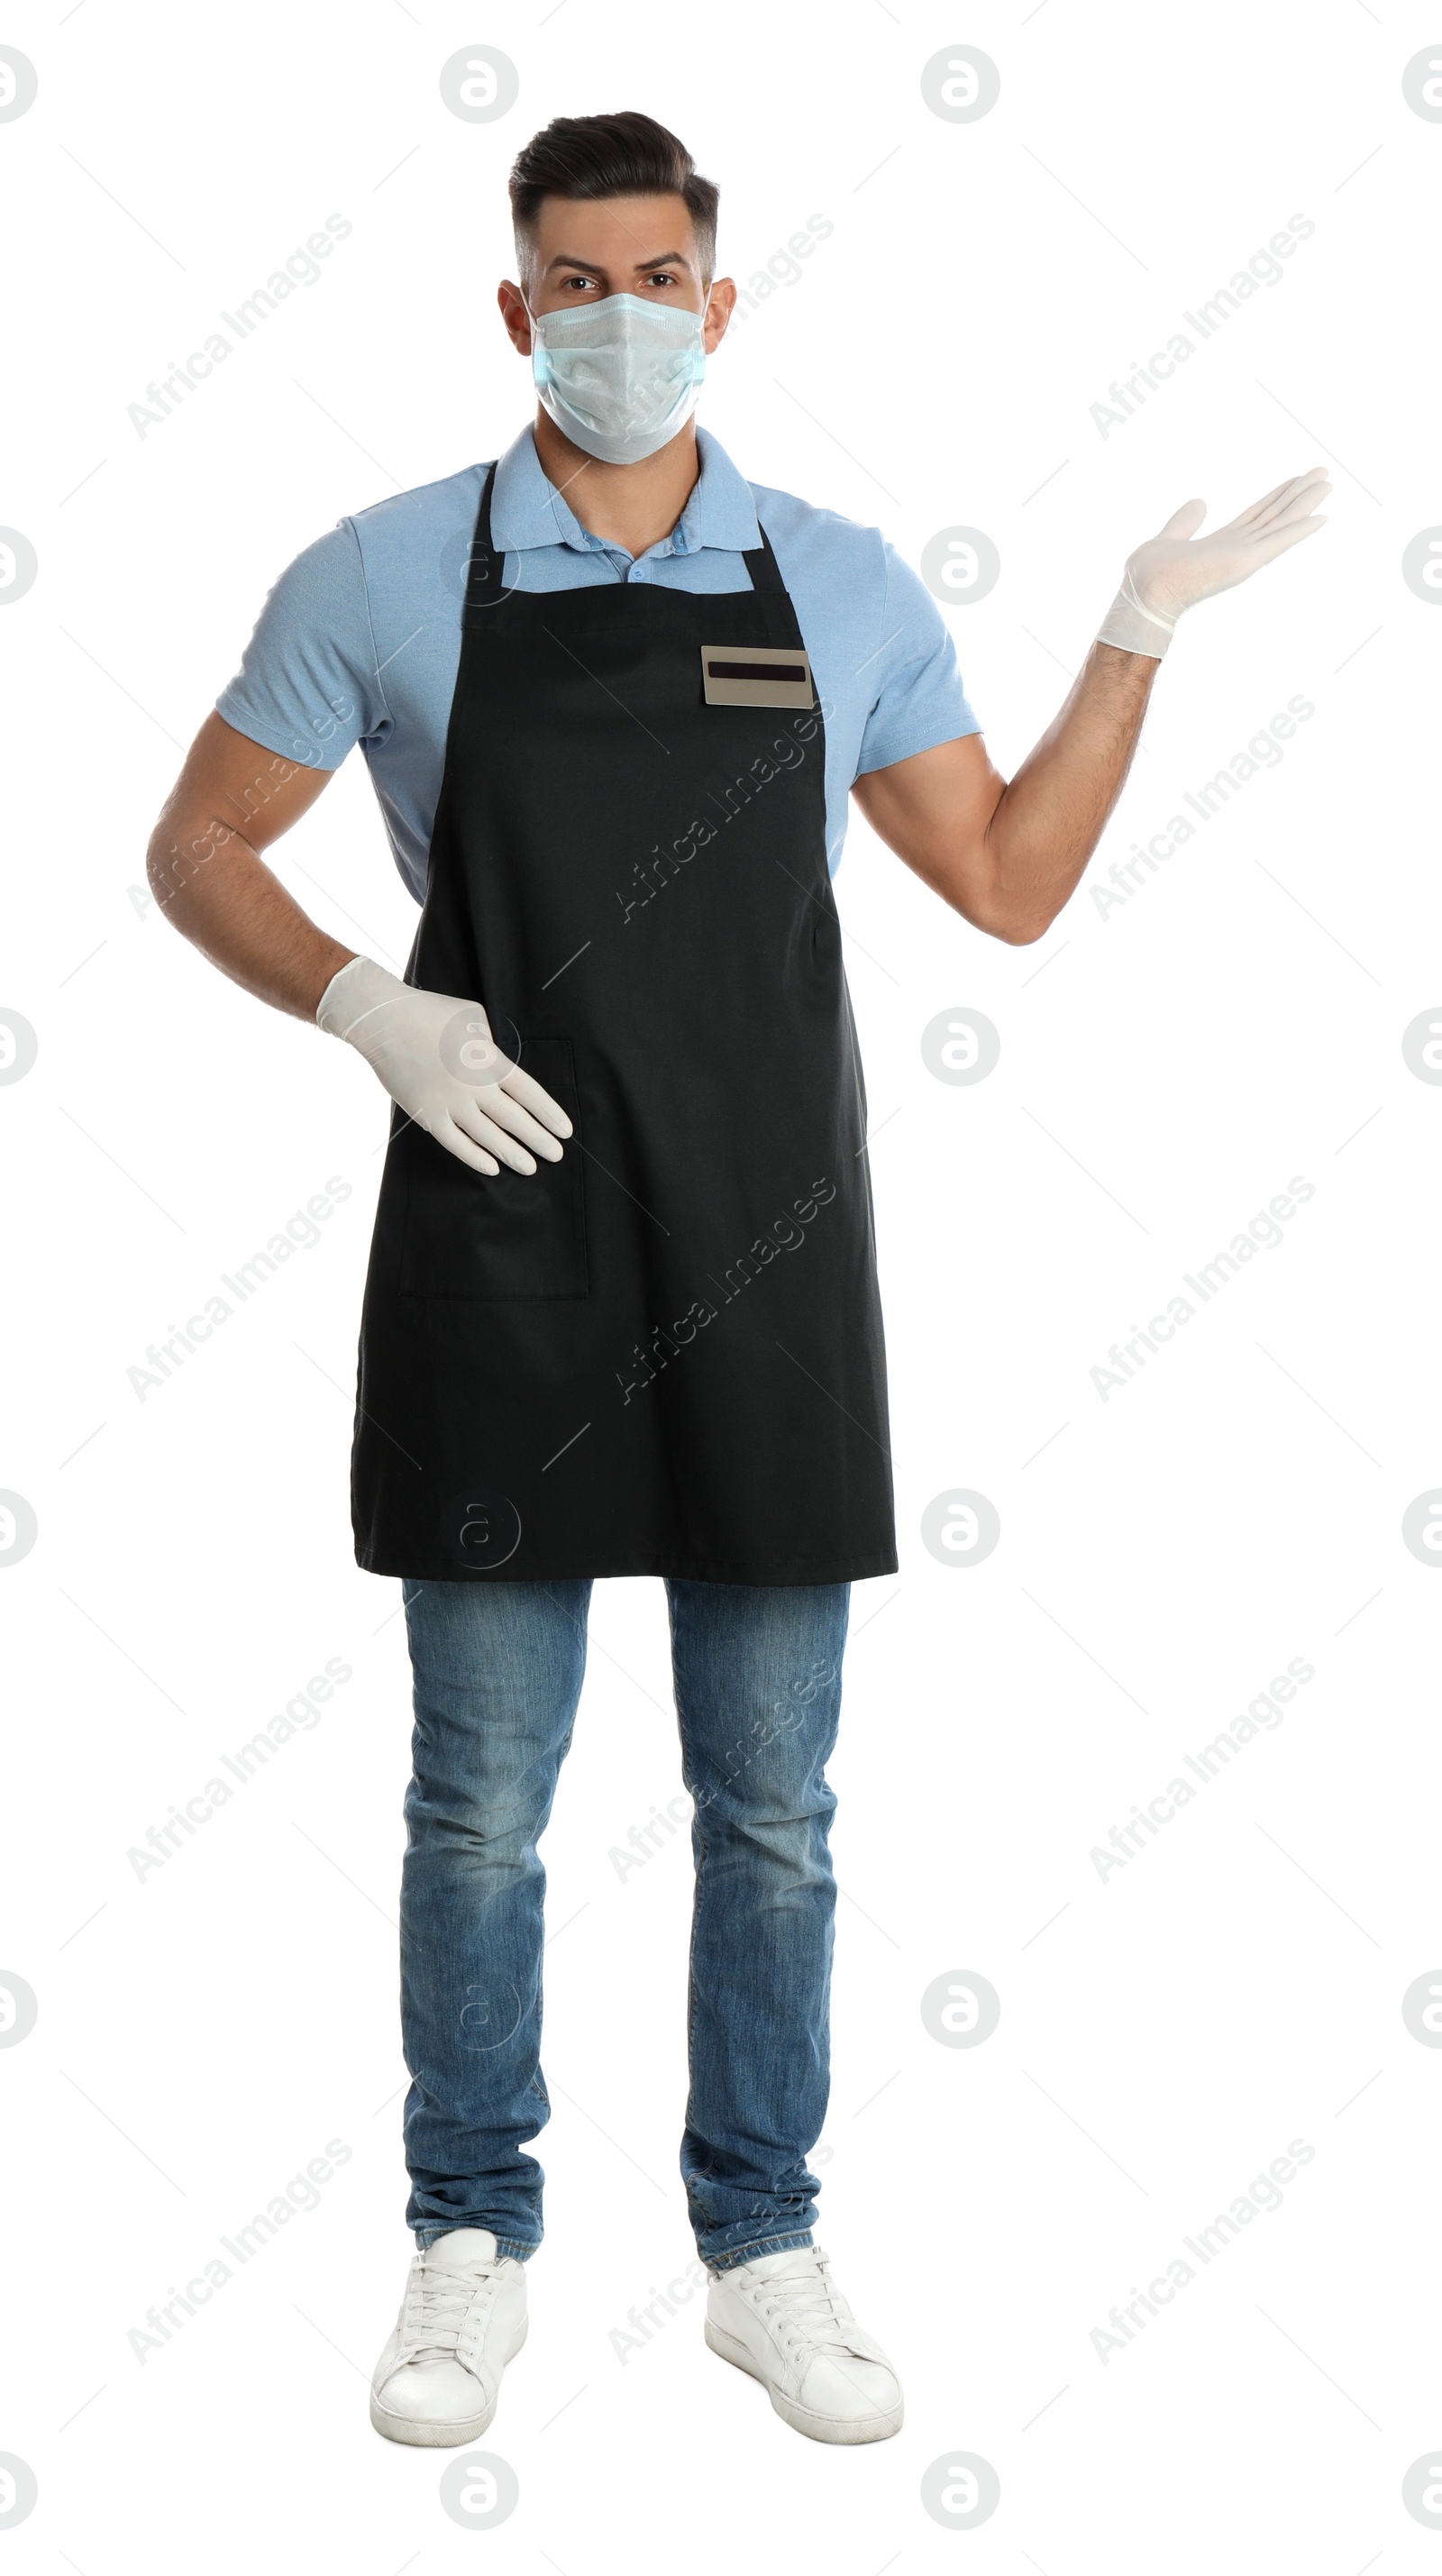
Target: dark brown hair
627,155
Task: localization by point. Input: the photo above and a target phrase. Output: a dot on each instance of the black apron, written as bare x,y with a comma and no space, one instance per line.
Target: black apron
663,1354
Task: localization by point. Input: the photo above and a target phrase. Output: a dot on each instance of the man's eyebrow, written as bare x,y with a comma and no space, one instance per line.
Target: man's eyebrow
661,259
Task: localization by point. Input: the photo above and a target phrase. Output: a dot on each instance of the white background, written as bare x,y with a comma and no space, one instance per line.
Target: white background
1165,1069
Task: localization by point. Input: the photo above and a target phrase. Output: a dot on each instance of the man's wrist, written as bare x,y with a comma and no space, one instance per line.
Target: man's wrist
352,986
1134,629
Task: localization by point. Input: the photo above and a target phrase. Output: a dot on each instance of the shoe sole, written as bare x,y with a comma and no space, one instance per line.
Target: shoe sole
434,2434
817,2428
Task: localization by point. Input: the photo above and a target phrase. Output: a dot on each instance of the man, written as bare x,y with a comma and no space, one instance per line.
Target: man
621,1315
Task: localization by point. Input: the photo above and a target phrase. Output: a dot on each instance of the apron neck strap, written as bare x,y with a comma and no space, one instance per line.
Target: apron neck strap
484,576
486,567
761,564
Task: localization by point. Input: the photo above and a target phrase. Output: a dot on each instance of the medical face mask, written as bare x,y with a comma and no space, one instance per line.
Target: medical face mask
619,377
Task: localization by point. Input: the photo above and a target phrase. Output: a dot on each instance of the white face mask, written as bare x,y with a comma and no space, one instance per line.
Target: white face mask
619,377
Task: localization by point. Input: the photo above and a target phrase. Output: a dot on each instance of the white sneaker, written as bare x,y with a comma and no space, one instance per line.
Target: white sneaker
783,2319
462,2319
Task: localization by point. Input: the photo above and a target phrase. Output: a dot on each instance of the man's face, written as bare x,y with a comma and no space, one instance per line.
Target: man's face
642,246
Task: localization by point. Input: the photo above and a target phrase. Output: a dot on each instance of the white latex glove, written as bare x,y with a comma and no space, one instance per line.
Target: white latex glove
435,1055
1176,568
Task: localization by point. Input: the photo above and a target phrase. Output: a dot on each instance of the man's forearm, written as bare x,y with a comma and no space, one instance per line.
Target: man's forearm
1049,819
1047,823
231,800
230,906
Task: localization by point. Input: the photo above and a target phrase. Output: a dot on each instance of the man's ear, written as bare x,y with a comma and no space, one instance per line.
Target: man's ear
515,317
718,312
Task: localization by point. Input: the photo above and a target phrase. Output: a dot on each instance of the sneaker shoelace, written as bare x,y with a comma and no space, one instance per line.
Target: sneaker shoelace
807,2309
437,2304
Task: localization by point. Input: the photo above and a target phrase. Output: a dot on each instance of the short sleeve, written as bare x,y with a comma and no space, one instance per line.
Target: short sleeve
307,686
919,700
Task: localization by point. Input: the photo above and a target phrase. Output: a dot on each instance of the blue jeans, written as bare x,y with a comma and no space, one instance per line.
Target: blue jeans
498,1671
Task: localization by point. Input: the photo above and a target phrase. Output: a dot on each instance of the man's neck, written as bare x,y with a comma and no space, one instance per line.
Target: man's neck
625,505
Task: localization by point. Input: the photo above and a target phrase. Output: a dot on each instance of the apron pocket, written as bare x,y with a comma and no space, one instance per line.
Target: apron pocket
518,1234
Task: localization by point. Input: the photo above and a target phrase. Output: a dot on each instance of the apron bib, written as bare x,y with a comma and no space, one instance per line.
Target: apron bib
663,1354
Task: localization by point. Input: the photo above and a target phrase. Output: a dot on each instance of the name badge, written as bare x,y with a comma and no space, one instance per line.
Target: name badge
757,675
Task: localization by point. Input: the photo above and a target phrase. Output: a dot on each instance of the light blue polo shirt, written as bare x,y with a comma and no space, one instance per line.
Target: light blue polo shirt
359,641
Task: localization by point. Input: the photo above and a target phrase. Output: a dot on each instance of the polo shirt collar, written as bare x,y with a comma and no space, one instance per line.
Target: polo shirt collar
527,510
